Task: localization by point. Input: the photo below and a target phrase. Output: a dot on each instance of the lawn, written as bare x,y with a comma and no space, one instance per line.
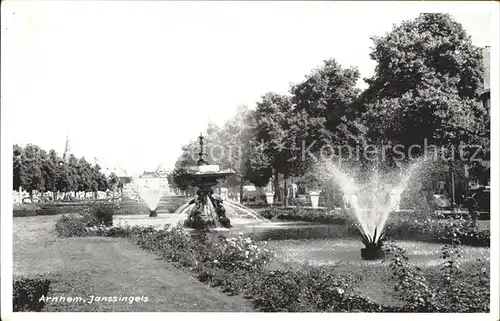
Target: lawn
373,277
104,267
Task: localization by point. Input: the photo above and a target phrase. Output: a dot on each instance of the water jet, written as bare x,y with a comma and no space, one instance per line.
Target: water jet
151,196
370,201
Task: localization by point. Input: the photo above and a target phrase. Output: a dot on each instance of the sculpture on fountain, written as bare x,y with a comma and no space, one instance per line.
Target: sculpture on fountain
208,210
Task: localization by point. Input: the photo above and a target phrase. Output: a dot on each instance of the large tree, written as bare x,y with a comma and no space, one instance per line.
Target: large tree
17,164
426,85
31,169
272,135
50,170
425,92
84,175
231,145
323,119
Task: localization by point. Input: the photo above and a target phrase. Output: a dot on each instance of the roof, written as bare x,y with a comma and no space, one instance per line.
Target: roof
163,169
148,175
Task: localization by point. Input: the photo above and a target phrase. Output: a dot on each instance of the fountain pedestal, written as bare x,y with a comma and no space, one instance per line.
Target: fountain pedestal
372,253
314,195
152,213
270,198
208,210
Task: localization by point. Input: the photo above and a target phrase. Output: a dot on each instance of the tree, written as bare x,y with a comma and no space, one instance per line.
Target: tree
233,141
113,181
50,170
73,174
187,159
324,115
272,134
258,167
100,182
324,98
425,90
31,169
84,175
17,167
426,85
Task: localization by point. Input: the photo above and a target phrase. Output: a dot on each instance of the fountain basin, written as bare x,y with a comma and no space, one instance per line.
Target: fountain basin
372,253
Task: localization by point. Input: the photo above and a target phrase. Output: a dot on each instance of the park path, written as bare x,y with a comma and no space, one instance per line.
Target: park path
82,267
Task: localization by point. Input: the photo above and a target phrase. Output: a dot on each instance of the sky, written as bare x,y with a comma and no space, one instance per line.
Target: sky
131,82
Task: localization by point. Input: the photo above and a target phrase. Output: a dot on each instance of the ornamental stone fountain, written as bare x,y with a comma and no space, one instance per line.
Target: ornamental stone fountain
208,210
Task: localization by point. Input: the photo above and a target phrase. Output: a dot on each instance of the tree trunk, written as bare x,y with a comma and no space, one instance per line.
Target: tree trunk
241,191
285,199
276,187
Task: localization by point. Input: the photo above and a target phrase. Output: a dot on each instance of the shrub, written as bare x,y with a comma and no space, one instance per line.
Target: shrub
308,215
239,253
101,213
46,209
28,291
238,266
452,290
71,226
310,289
437,231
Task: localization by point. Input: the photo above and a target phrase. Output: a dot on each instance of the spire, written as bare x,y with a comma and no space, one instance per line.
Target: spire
201,161
67,150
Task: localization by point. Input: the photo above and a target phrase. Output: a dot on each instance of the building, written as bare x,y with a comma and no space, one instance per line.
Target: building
152,180
474,182
148,180
485,93
162,170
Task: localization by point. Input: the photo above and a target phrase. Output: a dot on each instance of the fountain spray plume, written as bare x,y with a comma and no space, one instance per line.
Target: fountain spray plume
152,198
372,198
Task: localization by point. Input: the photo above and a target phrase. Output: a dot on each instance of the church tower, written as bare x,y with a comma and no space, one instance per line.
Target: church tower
67,150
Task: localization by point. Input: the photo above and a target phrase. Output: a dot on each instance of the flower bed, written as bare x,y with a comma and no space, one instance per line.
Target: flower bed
238,266
95,220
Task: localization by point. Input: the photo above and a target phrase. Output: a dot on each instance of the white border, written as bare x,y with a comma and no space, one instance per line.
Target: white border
6,174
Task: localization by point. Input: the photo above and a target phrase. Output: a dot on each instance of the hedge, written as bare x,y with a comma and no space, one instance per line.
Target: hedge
126,207
27,293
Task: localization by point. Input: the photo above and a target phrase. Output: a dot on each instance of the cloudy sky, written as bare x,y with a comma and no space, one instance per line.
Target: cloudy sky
131,82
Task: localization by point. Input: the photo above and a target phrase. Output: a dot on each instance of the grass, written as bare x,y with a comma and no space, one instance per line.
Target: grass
104,267
81,267
372,276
